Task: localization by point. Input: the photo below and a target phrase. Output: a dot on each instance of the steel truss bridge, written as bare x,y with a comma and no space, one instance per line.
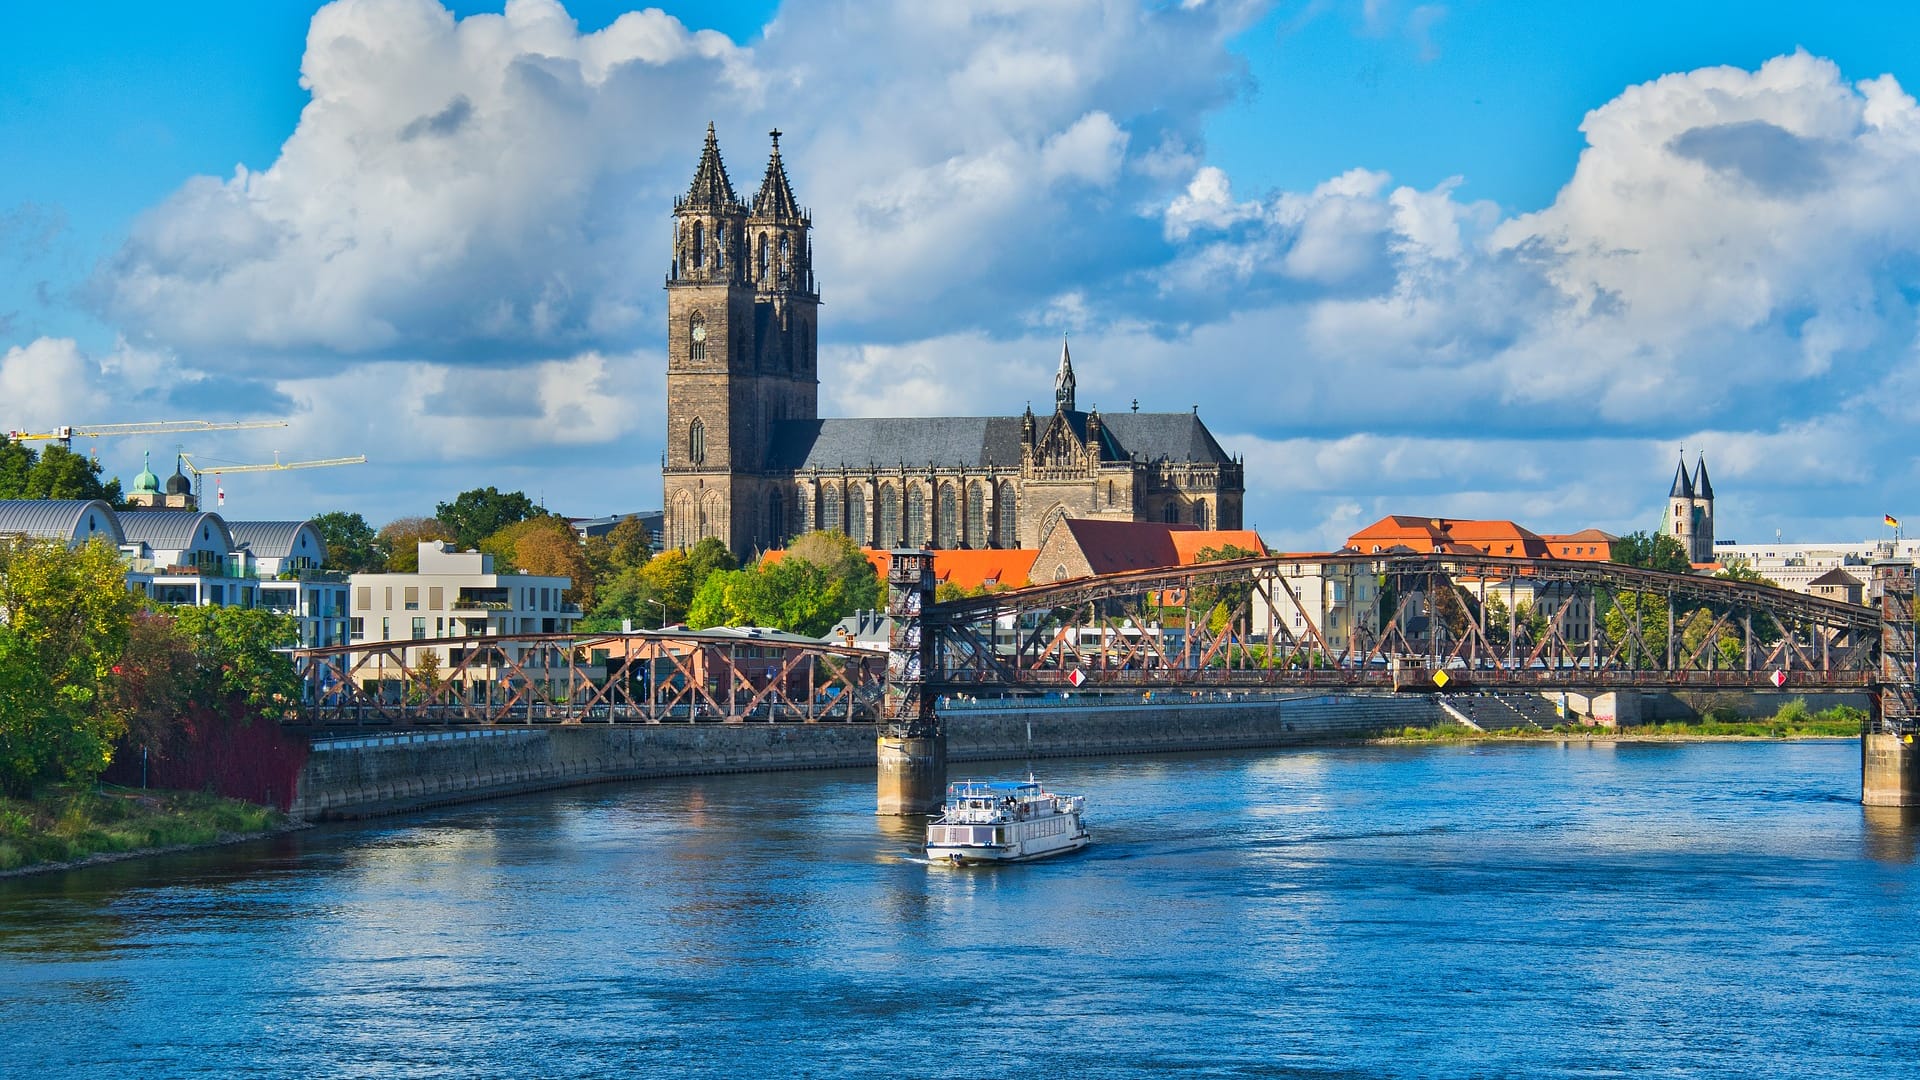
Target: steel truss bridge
1442,619
1227,626
642,677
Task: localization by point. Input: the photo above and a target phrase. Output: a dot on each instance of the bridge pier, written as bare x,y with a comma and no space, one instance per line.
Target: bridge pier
912,773
1889,769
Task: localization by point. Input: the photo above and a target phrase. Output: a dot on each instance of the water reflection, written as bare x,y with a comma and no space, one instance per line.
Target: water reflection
1892,833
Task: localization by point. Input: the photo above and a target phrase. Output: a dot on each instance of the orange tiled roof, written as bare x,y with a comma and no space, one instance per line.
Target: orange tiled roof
970,568
1187,543
1474,537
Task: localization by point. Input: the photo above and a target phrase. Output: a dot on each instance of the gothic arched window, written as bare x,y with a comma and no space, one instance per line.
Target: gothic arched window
830,513
889,517
1171,513
946,533
763,256
699,245
697,443
1006,516
857,513
976,515
697,337
916,516
1200,514
776,519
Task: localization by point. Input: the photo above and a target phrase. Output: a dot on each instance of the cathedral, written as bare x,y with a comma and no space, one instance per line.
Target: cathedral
750,461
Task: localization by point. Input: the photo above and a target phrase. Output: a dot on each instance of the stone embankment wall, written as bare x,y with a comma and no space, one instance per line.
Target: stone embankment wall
1627,708
376,774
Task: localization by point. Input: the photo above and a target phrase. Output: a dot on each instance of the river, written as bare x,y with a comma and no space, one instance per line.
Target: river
1495,910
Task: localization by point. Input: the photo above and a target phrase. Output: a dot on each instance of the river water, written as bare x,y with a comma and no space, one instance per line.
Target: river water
1516,910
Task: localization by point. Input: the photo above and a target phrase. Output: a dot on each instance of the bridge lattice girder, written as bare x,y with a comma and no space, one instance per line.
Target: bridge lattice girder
1039,636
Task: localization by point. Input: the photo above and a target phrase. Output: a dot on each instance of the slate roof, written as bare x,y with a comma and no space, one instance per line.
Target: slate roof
1682,483
272,539
977,441
172,530
1174,436
972,441
1837,577
711,190
57,519
775,199
1702,486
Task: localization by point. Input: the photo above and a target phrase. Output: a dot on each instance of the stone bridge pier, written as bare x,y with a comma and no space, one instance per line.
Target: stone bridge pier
1889,756
911,750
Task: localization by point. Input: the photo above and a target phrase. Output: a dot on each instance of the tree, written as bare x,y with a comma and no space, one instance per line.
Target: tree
240,650
822,577
68,617
352,546
474,515
626,546
56,473
1742,570
399,541
544,545
1651,611
1652,551
709,556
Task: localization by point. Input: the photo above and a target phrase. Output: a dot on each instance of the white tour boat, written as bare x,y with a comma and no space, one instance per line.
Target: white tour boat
986,821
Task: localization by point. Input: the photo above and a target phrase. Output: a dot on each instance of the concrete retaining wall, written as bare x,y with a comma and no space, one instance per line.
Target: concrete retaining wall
360,777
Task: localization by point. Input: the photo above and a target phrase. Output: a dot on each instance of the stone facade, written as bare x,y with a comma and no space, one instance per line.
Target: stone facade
1689,513
750,462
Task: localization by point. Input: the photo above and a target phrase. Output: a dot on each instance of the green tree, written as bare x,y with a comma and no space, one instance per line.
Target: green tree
822,577
544,545
399,541
1651,609
68,615
16,468
351,543
626,546
709,556
55,473
1741,570
474,515
1652,551
242,650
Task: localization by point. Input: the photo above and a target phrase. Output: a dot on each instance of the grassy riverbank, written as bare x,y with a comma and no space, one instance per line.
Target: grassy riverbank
65,824
1794,721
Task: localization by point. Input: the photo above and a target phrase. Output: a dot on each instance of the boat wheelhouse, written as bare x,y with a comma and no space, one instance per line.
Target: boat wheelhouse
1005,821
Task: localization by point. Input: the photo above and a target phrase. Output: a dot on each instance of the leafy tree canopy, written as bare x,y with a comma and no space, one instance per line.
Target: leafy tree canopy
1742,570
474,515
54,473
822,577
626,546
351,543
68,614
1652,551
544,545
399,541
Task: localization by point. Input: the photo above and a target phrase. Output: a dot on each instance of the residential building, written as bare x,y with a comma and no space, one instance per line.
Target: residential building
457,594
287,558
71,521
1837,584
1798,566
1337,602
751,462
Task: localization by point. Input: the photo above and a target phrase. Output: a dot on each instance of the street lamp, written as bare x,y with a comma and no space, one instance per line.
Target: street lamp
662,605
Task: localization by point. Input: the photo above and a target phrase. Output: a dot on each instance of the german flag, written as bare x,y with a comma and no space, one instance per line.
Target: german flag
1892,522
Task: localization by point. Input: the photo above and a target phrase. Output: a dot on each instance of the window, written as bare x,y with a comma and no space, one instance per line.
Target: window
830,512
776,518
857,514
697,443
1171,514
1200,514
1006,516
916,516
947,528
976,515
763,256
386,628
699,245
419,628
358,627
412,594
889,517
697,337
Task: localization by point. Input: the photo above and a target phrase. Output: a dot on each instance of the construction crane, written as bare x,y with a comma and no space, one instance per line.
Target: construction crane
64,435
276,465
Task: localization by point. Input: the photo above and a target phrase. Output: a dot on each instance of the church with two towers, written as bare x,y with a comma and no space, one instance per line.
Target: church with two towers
750,461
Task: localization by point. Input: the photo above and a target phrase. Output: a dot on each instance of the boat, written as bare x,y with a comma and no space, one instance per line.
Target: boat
987,821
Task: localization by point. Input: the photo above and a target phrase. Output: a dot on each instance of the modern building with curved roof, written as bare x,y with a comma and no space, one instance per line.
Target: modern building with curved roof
280,545
72,521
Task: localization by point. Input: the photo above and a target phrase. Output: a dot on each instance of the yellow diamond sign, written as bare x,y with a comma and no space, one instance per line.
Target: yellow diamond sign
1440,679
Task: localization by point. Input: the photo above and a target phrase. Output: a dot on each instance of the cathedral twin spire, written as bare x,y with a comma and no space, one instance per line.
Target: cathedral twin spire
718,239
712,190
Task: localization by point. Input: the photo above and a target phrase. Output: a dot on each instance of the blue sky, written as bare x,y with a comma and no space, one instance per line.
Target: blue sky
1491,259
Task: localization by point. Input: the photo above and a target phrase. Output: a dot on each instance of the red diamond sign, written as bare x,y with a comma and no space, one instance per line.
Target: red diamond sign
1778,679
1076,676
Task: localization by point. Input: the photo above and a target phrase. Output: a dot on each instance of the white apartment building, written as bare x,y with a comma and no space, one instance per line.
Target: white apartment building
457,594
1796,566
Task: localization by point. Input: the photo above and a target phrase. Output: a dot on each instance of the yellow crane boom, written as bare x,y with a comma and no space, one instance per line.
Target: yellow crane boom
276,465
65,435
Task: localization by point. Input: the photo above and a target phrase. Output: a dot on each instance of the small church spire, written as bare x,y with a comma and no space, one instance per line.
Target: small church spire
1063,381
1702,487
1682,483
775,200
710,190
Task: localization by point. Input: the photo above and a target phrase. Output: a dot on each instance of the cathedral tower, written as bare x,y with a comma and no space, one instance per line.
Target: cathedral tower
1689,513
741,347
